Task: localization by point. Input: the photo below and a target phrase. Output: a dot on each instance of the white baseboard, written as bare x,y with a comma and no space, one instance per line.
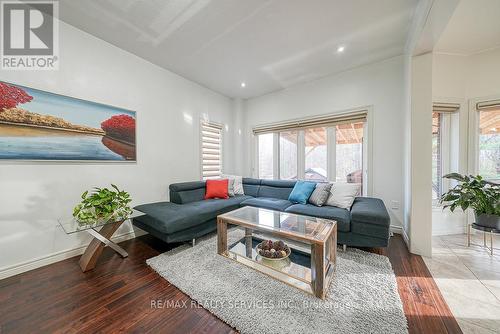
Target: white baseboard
59,256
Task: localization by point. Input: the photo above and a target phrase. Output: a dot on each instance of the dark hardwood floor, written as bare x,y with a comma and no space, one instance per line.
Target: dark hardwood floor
117,295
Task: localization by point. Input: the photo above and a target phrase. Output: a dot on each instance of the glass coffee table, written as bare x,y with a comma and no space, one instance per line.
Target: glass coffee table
313,243
102,233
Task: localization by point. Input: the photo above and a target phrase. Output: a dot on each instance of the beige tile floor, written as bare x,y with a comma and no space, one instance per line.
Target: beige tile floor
469,280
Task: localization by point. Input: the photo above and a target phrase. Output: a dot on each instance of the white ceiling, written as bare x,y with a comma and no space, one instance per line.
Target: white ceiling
268,44
474,27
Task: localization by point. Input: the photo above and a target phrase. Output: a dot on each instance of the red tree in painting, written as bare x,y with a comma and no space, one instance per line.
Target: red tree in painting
11,96
121,127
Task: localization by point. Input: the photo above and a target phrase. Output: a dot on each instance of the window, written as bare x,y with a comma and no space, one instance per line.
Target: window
323,148
315,154
489,144
437,189
349,152
288,155
265,155
445,146
211,150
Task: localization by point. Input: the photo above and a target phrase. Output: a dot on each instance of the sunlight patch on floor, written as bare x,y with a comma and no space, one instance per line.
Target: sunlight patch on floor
469,280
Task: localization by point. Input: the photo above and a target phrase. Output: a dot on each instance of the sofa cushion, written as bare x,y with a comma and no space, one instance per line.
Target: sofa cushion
230,187
320,194
217,189
251,186
237,184
301,192
267,203
276,188
187,192
211,208
370,210
342,216
342,194
171,217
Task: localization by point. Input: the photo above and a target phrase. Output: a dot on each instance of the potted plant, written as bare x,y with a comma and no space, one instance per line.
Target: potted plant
476,193
103,204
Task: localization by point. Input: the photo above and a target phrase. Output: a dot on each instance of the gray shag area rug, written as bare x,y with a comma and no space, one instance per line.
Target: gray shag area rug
362,298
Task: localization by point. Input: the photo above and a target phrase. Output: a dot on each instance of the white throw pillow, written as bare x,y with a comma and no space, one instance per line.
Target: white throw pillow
238,183
342,194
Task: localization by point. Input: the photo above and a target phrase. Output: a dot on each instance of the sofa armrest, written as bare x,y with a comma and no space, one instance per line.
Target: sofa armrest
370,210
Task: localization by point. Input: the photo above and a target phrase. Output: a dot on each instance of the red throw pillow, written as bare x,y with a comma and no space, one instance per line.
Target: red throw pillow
216,189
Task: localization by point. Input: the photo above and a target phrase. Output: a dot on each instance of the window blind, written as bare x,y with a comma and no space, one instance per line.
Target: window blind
211,150
318,121
493,104
445,107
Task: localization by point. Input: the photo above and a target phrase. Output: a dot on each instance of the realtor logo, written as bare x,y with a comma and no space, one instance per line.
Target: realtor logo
29,35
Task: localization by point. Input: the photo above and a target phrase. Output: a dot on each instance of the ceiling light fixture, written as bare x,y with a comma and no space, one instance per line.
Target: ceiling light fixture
340,49
243,85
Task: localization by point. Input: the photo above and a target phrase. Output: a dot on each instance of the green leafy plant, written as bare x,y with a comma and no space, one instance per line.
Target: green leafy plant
103,204
472,192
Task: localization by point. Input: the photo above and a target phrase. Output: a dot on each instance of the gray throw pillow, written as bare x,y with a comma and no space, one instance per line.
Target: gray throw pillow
320,194
230,187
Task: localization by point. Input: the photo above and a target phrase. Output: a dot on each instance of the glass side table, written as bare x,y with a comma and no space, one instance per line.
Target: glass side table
101,232
486,230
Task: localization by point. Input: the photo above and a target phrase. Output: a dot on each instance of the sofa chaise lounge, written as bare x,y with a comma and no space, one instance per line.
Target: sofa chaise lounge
188,215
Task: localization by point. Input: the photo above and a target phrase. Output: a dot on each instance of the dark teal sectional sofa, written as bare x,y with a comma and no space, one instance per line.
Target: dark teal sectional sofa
188,216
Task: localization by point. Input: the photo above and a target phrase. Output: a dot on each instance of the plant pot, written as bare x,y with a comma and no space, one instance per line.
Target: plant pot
486,220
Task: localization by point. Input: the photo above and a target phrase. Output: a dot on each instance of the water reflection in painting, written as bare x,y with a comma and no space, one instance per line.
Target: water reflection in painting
37,125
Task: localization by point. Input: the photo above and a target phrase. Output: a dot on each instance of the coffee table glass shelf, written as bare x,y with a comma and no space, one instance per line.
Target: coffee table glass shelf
313,243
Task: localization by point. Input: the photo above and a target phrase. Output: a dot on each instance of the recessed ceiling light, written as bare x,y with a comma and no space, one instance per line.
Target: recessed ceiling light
340,49
243,84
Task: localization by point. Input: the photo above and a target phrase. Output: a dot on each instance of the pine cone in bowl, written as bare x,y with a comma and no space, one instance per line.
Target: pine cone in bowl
273,250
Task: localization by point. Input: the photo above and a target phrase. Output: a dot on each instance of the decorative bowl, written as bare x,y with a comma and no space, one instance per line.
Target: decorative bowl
268,247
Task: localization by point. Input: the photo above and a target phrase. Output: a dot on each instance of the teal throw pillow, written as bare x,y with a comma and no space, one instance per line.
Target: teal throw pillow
301,192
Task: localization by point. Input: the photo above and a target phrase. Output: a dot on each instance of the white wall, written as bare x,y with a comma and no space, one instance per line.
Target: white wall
238,137
420,155
448,77
407,149
379,85
34,195
483,74
466,77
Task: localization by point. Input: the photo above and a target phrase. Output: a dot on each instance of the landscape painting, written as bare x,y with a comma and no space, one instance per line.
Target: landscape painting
38,125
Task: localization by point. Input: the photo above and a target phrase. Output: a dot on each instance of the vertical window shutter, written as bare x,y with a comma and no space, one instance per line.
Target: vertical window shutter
211,150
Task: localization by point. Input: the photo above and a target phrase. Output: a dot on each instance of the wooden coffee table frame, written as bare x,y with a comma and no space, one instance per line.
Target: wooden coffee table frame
323,254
